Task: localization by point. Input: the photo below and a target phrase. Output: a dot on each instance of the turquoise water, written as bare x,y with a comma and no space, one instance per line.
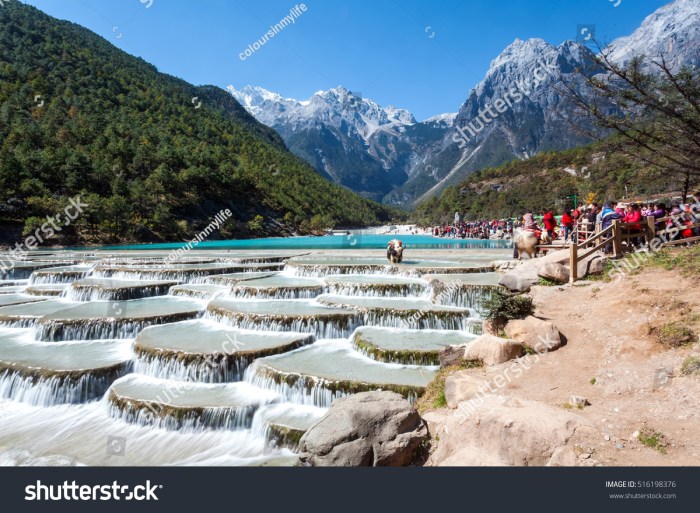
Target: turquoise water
328,242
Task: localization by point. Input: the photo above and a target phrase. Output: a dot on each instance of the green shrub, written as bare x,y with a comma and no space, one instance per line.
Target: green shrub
504,306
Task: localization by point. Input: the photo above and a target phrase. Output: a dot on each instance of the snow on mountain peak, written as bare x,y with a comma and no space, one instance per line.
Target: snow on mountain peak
672,30
333,106
520,51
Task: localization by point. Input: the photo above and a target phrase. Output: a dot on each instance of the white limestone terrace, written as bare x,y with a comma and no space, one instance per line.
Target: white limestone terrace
196,361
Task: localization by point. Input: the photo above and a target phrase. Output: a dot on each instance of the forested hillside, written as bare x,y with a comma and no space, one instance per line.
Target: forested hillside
79,116
593,173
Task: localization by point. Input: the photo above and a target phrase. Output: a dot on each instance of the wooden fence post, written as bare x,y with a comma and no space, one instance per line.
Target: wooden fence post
573,262
651,229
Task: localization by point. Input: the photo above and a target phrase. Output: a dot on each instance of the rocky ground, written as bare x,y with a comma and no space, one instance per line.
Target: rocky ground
634,405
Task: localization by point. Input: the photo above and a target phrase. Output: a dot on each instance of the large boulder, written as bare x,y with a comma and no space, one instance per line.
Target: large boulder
462,386
520,280
366,429
501,430
492,350
554,272
542,336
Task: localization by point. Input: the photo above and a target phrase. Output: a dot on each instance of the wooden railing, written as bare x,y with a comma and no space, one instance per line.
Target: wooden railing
621,237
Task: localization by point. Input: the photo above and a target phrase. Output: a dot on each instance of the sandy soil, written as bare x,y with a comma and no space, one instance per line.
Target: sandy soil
613,358
638,381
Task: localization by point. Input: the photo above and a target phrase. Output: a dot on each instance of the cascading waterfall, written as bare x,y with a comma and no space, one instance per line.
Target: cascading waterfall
255,428
219,369
96,293
100,329
280,293
321,271
65,388
51,277
420,320
360,290
468,296
333,327
296,388
182,419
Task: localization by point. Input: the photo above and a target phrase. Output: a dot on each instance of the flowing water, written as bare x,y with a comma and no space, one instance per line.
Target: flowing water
214,358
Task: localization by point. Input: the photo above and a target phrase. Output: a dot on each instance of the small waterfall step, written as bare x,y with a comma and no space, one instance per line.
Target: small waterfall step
115,319
28,314
14,289
468,290
321,267
45,374
23,269
48,289
78,435
63,274
202,350
299,315
321,372
376,286
406,346
18,299
109,289
284,424
405,312
13,283
180,272
199,290
186,404
234,278
280,286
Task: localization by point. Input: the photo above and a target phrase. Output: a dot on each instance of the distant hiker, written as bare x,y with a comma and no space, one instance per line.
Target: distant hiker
608,215
567,222
550,223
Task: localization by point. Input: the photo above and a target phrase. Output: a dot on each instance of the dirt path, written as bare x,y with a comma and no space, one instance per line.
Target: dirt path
613,358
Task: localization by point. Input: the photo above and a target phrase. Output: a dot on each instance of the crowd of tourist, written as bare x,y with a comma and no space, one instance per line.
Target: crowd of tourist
585,221
484,229
590,219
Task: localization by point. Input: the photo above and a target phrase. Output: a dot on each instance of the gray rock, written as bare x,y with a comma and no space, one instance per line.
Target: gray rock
542,336
451,355
578,401
462,386
365,429
519,280
554,272
517,432
492,350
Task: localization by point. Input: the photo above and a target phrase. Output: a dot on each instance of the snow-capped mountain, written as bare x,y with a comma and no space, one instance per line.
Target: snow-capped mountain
672,31
516,111
540,118
352,140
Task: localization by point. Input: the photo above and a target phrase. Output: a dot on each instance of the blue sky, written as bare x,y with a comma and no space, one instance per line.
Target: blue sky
380,48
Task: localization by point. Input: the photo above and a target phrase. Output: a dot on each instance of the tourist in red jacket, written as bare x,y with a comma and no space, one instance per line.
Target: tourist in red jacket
567,222
634,215
550,223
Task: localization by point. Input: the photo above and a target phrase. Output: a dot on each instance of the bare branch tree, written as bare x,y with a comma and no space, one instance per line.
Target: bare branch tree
652,105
